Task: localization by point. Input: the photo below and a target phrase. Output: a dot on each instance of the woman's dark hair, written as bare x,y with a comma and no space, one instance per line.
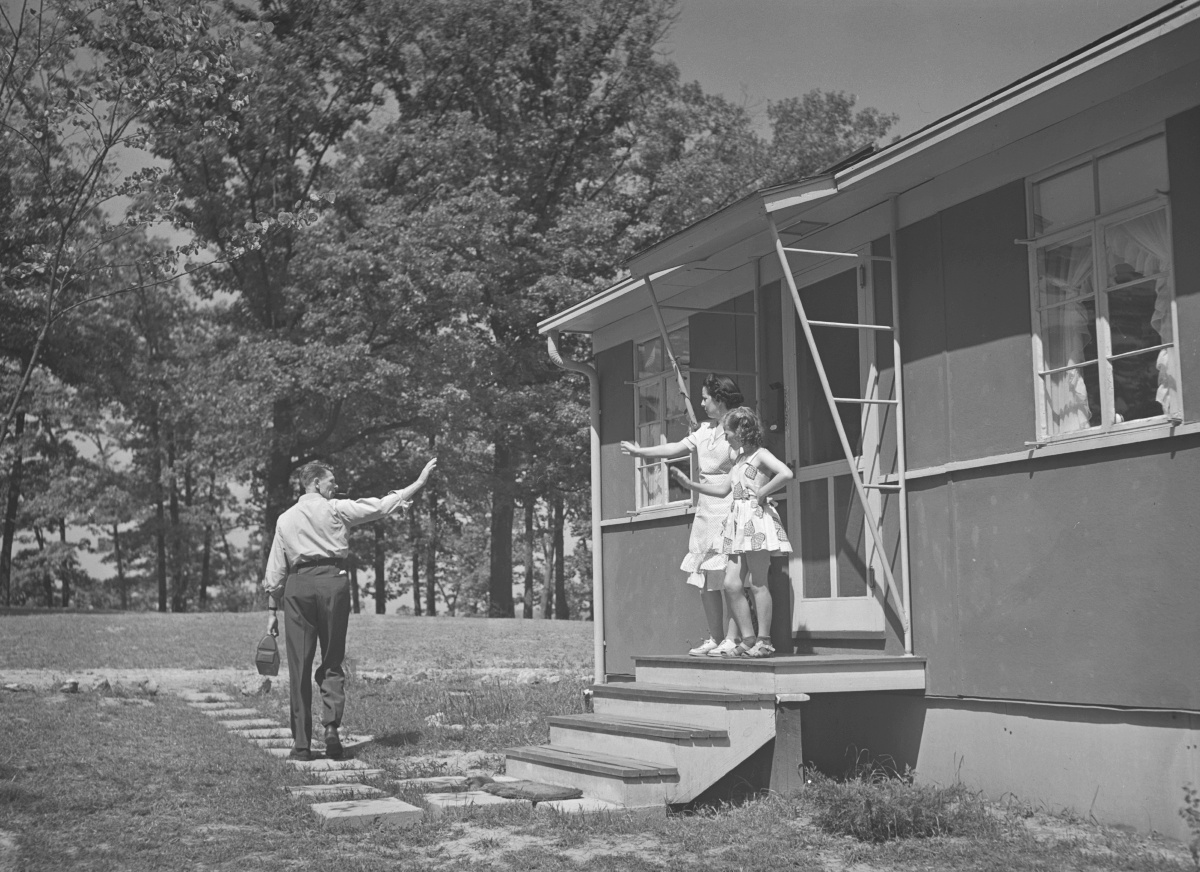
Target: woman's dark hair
724,390
745,424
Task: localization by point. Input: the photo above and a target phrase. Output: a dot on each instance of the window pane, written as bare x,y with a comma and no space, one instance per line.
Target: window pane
649,357
1072,400
648,403
677,428
1062,200
650,485
1131,316
1137,248
814,538
679,346
1133,174
851,538
1065,271
1069,334
675,404
1135,384
649,434
676,491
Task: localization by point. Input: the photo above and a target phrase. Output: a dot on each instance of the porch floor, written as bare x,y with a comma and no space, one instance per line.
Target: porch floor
786,674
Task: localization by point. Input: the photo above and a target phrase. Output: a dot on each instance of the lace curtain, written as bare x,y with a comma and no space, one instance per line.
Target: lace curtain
1066,332
1144,244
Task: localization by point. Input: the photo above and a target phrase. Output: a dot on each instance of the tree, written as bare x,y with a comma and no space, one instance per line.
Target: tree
84,85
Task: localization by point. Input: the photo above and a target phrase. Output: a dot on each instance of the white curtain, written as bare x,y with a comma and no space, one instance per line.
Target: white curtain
1144,244
1065,332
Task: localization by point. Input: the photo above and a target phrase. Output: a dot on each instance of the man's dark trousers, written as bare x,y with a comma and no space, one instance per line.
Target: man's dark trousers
316,607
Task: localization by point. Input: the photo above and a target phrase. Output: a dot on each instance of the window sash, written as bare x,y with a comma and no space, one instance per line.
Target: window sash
653,485
1105,361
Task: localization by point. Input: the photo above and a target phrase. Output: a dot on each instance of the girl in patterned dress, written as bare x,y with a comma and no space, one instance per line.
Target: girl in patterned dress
704,562
752,532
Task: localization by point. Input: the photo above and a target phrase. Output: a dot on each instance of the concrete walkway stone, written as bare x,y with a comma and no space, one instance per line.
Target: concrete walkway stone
333,792
233,713
280,742
358,813
440,803
335,776
264,733
202,696
248,724
323,763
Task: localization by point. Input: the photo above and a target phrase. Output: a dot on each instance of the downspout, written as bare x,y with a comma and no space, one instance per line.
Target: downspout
597,545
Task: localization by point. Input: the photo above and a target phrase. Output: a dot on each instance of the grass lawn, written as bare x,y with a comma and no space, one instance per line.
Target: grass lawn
109,781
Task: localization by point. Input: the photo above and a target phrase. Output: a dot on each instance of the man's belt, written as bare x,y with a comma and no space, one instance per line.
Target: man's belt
305,562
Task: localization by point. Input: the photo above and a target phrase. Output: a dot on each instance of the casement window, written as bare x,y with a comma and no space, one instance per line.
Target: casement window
661,418
1103,297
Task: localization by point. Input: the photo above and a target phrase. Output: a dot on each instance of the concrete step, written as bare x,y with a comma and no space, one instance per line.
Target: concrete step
465,800
625,781
358,813
322,764
640,738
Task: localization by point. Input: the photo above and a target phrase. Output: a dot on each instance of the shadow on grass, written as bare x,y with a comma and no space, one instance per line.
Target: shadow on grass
401,739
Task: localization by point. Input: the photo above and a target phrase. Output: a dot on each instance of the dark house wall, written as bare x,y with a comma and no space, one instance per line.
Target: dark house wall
1062,579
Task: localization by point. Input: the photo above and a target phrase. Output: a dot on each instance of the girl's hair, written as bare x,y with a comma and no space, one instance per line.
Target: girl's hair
745,424
724,390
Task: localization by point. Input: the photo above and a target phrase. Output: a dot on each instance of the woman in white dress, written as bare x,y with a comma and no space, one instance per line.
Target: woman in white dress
704,562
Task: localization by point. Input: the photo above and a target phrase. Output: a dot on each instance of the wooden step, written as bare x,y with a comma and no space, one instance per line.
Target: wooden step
626,781
637,727
626,768
811,673
642,690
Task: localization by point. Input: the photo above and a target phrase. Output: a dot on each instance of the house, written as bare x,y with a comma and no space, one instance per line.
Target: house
1001,583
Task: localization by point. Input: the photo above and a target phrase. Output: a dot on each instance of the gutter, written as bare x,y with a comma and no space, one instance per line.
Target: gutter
597,545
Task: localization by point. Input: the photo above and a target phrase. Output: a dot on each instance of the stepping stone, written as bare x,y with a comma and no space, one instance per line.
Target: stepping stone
357,813
339,776
349,790
214,706
324,763
436,784
248,724
283,742
440,803
352,742
264,733
198,696
234,713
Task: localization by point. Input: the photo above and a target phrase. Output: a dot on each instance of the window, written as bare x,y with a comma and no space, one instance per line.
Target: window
661,418
1103,295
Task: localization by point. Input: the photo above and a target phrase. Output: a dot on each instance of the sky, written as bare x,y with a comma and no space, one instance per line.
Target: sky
919,59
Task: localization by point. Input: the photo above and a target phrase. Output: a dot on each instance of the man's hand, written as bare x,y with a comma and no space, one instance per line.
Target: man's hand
272,623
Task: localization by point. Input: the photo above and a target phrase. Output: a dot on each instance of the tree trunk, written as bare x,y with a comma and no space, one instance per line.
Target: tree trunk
414,535
279,469
380,581
547,543
205,569
66,578
562,608
10,509
527,600
354,604
500,598
431,557
122,584
178,594
47,579
160,519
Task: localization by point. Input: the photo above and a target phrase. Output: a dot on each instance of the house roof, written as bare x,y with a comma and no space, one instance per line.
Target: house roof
731,236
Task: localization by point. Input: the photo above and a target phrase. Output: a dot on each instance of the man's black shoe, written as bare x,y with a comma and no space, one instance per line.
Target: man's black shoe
333,744
300,754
